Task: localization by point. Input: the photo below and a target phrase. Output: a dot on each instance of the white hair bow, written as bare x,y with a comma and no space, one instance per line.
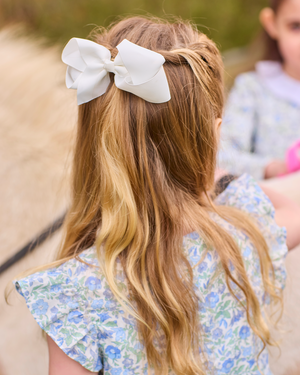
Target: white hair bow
137,70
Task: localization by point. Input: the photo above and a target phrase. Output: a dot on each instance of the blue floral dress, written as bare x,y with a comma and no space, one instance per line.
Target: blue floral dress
74,305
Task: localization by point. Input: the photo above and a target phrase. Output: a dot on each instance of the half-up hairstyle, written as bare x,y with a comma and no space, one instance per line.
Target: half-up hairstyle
140,180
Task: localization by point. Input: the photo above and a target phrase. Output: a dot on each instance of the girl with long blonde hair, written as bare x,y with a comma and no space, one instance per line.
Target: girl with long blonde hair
155,275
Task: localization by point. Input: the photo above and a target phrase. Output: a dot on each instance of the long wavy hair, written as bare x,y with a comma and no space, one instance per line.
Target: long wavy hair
141,177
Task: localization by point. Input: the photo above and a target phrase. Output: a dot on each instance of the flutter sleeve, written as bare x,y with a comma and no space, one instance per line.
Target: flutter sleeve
245,194
237,152
63,301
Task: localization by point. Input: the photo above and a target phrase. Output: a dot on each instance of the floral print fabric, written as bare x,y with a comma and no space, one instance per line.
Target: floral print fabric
76,308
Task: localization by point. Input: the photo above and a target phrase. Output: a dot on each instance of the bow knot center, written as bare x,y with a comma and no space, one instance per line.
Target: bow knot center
109,66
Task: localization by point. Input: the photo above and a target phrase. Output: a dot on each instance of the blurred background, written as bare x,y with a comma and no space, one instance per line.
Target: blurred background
231,23
37,128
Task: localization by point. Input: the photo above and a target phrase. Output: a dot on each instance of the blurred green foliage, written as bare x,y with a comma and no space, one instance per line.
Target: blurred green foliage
231,23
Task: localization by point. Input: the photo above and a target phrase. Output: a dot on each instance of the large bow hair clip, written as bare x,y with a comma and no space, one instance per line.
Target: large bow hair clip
137,70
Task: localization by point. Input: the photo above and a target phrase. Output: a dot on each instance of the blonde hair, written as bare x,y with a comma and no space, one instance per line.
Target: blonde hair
140,177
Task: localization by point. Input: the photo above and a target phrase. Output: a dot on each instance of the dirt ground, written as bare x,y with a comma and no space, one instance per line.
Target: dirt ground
35,152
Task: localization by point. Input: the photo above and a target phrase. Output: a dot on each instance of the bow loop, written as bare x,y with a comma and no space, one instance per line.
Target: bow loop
141,63
137,70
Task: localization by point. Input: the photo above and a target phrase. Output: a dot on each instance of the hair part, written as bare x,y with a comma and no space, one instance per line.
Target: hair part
141,174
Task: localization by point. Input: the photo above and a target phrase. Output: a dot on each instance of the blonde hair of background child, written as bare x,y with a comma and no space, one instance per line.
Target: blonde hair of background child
141,174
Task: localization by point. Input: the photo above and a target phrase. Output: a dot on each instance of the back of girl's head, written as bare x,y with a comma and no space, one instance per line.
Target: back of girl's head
141,173
177,138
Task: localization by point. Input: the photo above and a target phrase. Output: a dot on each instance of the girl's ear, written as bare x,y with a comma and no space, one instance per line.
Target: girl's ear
267,19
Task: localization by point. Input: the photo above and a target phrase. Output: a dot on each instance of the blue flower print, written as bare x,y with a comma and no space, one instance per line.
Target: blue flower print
227,366
59,341
206,328
214,267
247,351
73,305
129,372
128,362
116,371
202,267
244,332
97,304
247,252
251,362
111,305
108,294
63,298
58,323
113,352
130,322
40,307
223,322
236,317
54,329
93,283
55,288
231,267
53,272
54,310
72,352
228,334
99,363
212,299
250,207
103,317
75,317
120,334
102,335
106,366
194,256
81,268
81,358
139,346
217,333
193,236
237,354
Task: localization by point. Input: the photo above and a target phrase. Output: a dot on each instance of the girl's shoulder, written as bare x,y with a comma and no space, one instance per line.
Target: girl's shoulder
74,305
246,195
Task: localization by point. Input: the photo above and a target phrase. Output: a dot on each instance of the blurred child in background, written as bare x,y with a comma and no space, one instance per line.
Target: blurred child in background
262,116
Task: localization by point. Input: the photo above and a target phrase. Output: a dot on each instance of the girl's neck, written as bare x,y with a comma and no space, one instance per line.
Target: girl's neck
291,71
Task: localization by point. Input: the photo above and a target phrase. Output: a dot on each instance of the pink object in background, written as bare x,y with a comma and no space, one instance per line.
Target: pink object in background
293,158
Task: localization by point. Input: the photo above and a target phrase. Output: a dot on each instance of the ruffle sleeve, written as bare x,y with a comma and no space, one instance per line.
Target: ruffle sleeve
245,194
74,305
62,301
